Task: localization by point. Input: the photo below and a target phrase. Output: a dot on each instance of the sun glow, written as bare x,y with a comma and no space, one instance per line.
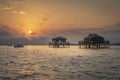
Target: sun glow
29,31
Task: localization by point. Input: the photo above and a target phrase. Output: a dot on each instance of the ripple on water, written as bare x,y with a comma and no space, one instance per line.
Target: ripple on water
43,63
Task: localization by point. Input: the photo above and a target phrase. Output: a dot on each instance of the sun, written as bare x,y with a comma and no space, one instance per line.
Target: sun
29,31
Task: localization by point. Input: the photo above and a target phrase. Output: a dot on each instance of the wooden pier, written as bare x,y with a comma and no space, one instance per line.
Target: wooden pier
94,41
59,42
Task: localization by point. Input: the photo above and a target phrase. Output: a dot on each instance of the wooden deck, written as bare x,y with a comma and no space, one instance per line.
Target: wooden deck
59,44
83,44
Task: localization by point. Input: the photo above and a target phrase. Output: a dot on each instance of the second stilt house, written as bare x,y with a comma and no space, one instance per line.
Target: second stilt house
94,41
59,42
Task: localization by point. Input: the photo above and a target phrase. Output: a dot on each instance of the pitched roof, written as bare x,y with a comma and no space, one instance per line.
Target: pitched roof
93,36
58,38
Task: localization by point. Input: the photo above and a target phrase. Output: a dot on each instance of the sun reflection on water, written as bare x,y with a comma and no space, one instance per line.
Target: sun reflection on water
44,63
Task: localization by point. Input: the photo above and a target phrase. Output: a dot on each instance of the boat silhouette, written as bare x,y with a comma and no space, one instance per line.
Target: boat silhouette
18,45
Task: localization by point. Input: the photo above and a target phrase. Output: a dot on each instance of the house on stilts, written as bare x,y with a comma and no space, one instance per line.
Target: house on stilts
58,42
94,41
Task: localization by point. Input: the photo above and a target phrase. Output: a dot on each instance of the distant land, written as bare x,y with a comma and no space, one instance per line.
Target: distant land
115,44
47,44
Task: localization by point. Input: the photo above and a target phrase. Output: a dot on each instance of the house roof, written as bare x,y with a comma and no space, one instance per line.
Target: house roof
59,38
90,36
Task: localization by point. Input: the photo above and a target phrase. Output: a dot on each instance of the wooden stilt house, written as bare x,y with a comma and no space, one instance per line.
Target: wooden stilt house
94,41
59,42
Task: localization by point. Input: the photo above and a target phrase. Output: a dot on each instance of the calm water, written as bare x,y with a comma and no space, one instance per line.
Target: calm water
44,63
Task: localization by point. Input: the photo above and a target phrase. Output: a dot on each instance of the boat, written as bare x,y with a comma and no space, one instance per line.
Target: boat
18,45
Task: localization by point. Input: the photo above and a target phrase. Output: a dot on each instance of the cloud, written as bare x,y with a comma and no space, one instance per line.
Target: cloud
22,12
4,7
10,34
4,31
72,31
116,26
40,40
19,12
109,32
8,31
13,6
32,36
15,40
7,7
33,33
43,19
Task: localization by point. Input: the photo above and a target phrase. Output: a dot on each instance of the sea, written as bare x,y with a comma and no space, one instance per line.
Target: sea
37,62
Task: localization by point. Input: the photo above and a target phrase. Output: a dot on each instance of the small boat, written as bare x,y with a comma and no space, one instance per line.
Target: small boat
18,45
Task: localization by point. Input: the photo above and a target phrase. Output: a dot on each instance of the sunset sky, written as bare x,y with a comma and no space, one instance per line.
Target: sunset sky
37,21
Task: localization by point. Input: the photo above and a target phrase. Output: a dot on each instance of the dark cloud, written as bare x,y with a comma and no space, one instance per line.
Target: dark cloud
4,31
39,40
8,31
10,35
73,31
44,19
7,7
116,26
23,40
109,32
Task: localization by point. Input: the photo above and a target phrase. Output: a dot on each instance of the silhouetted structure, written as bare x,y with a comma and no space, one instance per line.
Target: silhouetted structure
94,41
18,45
59,42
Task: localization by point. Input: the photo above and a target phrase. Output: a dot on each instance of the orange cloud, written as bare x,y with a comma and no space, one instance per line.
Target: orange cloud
19,12
7,7
22,12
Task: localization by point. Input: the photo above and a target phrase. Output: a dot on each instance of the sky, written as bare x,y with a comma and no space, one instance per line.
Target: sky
37,21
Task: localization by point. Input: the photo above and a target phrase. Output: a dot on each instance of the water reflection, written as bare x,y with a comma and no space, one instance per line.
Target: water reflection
44,63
